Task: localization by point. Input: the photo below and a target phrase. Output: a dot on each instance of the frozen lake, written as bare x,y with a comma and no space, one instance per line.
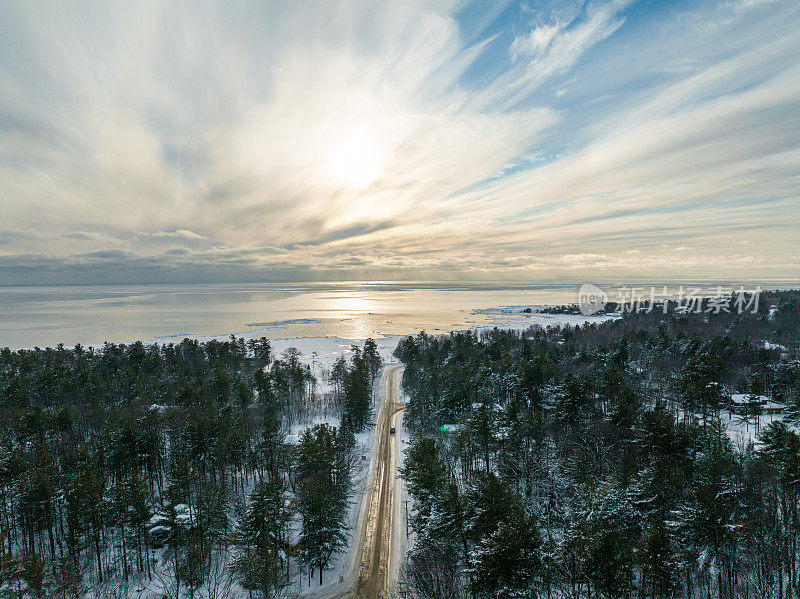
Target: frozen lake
90,315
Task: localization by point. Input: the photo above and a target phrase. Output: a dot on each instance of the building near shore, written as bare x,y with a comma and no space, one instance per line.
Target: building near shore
743,403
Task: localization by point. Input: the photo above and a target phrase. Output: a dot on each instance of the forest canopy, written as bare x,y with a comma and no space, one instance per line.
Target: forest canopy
607,460
169,466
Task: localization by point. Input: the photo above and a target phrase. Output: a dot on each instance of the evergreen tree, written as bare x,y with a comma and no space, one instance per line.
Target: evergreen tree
263,530
33,572
372,360
357,393
507,561
323,487
424,473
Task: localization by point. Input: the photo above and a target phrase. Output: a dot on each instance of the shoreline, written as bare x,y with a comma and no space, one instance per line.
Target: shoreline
289,333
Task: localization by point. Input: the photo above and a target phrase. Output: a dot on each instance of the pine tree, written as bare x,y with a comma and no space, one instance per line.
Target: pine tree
602,536
323,509
323,486
658,560
33,572
357,395
372,359
507,561
425,474
263,530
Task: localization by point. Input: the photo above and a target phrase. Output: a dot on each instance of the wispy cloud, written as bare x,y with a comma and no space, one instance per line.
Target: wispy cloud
554,46
390,139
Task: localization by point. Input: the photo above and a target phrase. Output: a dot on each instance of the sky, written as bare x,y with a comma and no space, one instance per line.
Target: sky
145,142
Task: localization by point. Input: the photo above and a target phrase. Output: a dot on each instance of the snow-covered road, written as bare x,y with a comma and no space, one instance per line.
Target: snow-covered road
372,562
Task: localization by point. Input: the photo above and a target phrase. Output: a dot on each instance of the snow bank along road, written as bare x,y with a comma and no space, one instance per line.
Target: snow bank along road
373,554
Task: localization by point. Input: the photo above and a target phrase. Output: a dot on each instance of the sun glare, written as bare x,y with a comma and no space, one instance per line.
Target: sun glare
357,158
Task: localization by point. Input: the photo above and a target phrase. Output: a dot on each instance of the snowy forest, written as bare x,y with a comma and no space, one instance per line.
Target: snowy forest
647,455
608,460
165,470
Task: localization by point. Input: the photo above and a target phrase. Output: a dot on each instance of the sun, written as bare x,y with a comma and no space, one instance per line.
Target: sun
357,157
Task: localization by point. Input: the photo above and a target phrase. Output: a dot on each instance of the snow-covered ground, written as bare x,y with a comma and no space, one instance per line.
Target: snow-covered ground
745,430
523,316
